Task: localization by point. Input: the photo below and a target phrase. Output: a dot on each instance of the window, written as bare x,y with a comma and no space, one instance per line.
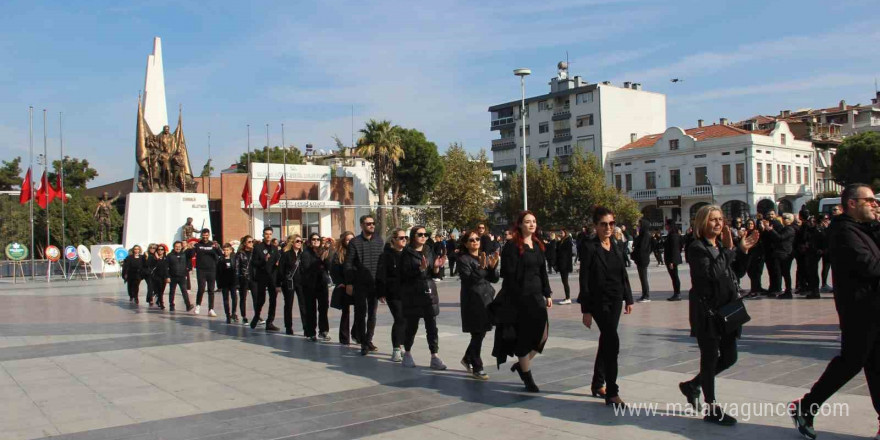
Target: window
726,153
629,182
650,161
650,180
617,182
701,176
673,144
543,144
311,223
760,173
725,174
675,178
544,127
789,175
585,120
769,173
806,176
797,175
782,138
564,150
544,106
586,143
699,156
740,173
583,98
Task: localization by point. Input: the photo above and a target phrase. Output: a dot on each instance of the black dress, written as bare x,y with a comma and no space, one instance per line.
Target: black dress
476,294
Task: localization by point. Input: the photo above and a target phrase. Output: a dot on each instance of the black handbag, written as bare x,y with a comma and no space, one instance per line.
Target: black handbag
731,316
337,298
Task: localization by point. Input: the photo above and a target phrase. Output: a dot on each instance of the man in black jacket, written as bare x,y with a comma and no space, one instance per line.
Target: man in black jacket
672,257
265,262
360,280
451,253
208,253
641,255
178,262
781,244
856,277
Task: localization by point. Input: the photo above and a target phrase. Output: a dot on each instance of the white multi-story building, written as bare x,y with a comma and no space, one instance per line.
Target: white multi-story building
595,118
674,173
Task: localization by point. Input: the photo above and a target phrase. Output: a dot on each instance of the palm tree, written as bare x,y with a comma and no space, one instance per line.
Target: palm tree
380,143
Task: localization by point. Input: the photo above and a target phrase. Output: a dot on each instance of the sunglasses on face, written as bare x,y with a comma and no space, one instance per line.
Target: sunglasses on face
607,224
868,200
473,240
421,234
315,239
297,241
400,237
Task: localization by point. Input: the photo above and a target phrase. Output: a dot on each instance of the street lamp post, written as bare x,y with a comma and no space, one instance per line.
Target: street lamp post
522,74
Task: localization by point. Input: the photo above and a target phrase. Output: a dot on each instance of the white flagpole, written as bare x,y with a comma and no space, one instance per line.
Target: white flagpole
33,192
284,177
46,191
63,190
250,187
266,214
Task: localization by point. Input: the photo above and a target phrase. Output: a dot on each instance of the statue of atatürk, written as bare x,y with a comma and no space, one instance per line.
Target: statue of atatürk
102,217
163,162
189,230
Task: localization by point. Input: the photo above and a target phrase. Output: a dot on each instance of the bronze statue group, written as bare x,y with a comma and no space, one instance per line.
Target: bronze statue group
365,270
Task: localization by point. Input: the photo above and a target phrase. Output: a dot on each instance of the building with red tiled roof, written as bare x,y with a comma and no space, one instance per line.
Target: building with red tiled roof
674,173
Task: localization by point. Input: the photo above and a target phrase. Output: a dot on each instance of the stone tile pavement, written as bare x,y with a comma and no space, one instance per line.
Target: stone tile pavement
77,362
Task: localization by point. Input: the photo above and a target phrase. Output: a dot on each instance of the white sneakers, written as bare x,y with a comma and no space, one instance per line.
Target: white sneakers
211,313
437,363
564,302
198,309
408,360
396,355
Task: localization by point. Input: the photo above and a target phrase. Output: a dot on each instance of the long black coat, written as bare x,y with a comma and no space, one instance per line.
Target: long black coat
563,255
134,269
388,275
855,268
672,247
592,276
476,294
418,290
551,252
714,271
783,240
641,253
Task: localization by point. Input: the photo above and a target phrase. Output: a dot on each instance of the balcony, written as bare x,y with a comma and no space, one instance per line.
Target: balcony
503,144
697,191
562,135
792,190
504,165
643,195
561,114
502,123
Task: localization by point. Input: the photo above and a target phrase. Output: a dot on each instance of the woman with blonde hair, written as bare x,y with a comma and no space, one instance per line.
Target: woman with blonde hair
714,266
337,274
291,280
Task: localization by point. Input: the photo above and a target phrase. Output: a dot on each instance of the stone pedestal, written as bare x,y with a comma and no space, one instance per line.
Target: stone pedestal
159,217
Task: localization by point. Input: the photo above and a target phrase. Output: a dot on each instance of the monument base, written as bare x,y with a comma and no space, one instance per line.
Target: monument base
159,217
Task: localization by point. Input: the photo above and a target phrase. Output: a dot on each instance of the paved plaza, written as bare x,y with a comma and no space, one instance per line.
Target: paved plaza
77,362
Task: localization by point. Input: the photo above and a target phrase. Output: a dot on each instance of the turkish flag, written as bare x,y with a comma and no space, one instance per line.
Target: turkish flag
43,192
59,193
26,190
246,193
279,191
264,194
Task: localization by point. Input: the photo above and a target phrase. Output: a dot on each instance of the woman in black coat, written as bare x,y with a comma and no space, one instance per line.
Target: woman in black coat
388,290
551,253
245,273
783,234
564,251
290,278
418,267
157,267
521,307
715,266
477,272
605,287
314,264
756,261
133,271
337,274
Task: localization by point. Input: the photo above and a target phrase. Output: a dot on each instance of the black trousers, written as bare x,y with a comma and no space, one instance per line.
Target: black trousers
659,257
432,334
158,290
345,327
800,273
785,271
205,278
774,269
452,262
605,368
365,306
244,286
755,271
175,283
564,277
716,355
289,295
229,294
859,349
149,281
643,279
265,287
316,304
826,267
398,328
810,271
472,354
676,282
134,287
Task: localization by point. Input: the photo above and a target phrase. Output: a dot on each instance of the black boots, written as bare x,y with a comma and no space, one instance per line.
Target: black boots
526,377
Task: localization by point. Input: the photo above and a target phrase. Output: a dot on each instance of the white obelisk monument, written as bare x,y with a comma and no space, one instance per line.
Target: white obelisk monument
158,217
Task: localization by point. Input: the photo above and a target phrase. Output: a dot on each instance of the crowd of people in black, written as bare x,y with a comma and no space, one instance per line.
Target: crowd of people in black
364,270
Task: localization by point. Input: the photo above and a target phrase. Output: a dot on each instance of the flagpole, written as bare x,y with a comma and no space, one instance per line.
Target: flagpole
31,143
209,176
63,191
266,214
46,190
284,178
250,180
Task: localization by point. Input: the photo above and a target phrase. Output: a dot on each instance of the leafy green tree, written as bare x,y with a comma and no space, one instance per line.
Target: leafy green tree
207,169
858,160
545,186
77,173
419,169
466,190
380,143
276,154
10,174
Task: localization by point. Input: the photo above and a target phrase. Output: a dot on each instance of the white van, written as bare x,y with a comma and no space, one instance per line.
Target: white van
825,205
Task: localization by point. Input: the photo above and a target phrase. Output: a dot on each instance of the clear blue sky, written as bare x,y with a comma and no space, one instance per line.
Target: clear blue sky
434,66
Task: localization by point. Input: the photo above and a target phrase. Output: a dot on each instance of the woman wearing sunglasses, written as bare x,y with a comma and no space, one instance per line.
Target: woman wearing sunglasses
290,278
337,274
388,290
604,286
477,272
133,269
245,272
314,263
524,299
151,252
418,267
157,265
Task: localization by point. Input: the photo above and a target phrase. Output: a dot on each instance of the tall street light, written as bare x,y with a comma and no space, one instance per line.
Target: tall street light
522,74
